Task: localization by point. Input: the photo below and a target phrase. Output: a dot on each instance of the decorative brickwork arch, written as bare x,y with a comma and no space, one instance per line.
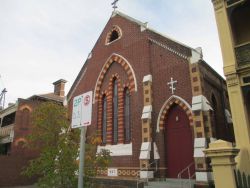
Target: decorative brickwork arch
166,106
20,141
118,31
23,107
115,58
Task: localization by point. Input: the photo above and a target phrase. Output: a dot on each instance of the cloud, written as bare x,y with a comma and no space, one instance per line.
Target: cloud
42,41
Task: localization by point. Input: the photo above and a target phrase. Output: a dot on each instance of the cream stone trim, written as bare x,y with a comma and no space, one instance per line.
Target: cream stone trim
147,78
114,28
103,67
218,4
163,107
200,102
169,49
26,106
117,150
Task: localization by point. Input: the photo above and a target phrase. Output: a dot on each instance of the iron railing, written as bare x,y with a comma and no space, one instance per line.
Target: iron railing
242,180
188,170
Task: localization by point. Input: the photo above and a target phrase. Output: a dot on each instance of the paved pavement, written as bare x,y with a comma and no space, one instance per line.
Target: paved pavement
27,186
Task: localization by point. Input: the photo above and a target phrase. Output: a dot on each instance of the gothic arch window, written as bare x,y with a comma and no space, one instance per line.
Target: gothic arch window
104,119
127,136
115,111
115,88
25,118
113,35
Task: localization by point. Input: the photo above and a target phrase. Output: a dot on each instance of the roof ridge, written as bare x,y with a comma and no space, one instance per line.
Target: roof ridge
145,25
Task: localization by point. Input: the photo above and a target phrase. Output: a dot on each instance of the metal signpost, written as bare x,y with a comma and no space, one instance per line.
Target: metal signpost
81,117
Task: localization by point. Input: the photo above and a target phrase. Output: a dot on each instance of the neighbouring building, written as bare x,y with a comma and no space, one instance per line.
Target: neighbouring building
156,103
232,18
15,125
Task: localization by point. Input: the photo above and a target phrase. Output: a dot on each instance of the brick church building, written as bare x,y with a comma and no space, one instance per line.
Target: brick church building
156,103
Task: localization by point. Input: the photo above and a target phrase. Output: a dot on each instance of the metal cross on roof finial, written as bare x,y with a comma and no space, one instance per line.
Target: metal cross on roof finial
171,83
114,4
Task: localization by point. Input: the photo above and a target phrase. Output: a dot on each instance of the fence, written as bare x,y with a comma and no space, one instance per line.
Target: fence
242,180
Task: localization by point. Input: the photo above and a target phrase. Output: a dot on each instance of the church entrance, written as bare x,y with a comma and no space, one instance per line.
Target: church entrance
179,143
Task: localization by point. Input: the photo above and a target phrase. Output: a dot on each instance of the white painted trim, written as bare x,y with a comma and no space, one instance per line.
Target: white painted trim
117,150
132,70
146,115
198,152
169,49
200,143
147,109
144,155
147,78
196,55
146,146
146,174
156,153
163,106
200,102
204,176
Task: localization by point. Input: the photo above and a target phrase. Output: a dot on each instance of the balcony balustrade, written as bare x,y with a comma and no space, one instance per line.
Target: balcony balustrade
242,53
6,131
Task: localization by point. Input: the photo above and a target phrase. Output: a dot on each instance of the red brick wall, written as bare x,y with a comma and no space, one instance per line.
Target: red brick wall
162,59
145,58
164,66
215,85
11,166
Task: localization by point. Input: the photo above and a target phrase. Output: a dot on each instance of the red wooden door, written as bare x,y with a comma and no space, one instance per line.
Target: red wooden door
179,142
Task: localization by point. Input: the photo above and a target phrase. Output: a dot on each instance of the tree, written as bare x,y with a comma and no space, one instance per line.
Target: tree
94,161
58,147
57,166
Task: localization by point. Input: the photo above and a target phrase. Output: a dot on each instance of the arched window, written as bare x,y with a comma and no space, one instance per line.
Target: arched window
104,119
25,118
114,36
127,135
115,111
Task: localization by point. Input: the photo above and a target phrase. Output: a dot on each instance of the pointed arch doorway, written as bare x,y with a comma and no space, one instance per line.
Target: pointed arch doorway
178,142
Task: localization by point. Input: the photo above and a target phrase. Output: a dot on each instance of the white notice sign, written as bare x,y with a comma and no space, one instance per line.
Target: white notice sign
82,110
112,172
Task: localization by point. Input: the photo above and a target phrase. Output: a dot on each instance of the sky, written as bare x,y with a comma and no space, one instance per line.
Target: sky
42,41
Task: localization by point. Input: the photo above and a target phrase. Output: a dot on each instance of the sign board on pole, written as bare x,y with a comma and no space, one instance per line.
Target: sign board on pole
82,110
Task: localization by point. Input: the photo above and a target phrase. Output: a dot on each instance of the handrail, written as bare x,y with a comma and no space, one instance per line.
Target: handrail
189,175
185,169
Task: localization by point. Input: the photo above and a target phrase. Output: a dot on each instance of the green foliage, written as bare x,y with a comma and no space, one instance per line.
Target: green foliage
58,147
94,161
56,166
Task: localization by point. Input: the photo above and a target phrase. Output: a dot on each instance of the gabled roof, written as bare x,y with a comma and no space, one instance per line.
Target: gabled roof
77,80
144,27
48,96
